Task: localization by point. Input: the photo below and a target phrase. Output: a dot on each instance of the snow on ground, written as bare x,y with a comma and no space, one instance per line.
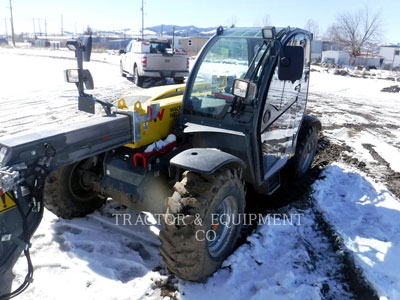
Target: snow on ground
367,216
92,258
355,111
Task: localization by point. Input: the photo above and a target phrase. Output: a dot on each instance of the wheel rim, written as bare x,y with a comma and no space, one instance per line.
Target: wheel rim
76,183
308,156
223,227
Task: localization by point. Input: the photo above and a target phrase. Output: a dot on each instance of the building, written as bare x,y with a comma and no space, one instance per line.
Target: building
316,50
193,45
340,58
318,46
368,61
391,57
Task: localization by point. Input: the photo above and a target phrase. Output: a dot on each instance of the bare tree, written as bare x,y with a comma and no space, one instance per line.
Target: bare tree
313,27
266,20
354,30
88,31
232,22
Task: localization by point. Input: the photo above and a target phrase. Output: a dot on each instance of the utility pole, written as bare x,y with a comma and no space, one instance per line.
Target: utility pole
62,26
40,28
45,28
5,23
12,25
142,21
34,29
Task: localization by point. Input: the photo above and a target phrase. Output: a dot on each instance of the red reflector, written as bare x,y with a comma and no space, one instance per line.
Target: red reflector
1,192
146,44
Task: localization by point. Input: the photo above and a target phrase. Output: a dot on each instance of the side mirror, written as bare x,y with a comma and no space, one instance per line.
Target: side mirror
291,63
122,51
244,89
87,48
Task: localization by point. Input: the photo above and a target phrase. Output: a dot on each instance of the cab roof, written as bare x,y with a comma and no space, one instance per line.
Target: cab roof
248,32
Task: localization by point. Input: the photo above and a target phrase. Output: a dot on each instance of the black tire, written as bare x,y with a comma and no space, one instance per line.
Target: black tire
306,148
179,80
66,195
197,197
138,80
121,70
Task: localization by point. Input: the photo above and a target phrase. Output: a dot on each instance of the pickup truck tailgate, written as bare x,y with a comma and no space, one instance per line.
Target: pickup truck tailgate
166,62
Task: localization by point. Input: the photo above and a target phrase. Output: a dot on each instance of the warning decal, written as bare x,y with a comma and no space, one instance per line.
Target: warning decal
6,203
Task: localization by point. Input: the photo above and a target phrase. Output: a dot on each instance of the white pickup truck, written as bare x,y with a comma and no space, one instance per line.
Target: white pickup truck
142,59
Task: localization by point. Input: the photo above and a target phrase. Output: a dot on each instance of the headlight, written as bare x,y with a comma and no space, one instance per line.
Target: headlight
72,75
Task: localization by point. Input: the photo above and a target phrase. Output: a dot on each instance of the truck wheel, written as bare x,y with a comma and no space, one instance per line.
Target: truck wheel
305,151
202,223
68,192
122,70
179,80
138,80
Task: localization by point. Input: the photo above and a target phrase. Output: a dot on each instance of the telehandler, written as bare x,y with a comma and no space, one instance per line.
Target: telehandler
238,121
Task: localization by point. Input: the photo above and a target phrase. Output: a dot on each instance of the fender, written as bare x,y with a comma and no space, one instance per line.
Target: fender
313,122
204,160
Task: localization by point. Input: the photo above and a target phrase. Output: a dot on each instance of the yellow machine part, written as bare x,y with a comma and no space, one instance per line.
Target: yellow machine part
170,106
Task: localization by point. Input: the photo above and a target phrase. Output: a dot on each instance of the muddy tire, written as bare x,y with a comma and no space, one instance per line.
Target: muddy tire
179,80
138,80
306,147
121,70
184,247
66,194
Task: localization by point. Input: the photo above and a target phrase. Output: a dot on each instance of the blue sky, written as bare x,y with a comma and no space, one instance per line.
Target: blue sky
117,14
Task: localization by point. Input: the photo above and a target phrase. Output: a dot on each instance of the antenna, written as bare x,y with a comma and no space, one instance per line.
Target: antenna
62,26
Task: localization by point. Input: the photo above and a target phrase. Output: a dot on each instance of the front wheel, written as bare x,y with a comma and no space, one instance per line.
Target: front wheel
69,193
203,222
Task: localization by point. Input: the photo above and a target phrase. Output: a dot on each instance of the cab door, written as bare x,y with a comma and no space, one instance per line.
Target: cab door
280,117
125,59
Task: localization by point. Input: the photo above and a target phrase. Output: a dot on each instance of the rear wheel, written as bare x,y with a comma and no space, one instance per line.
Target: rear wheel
203,222
305,150
138,80
122,70
69,193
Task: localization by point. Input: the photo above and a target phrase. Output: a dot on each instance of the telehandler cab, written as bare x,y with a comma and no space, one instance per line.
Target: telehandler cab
238,121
